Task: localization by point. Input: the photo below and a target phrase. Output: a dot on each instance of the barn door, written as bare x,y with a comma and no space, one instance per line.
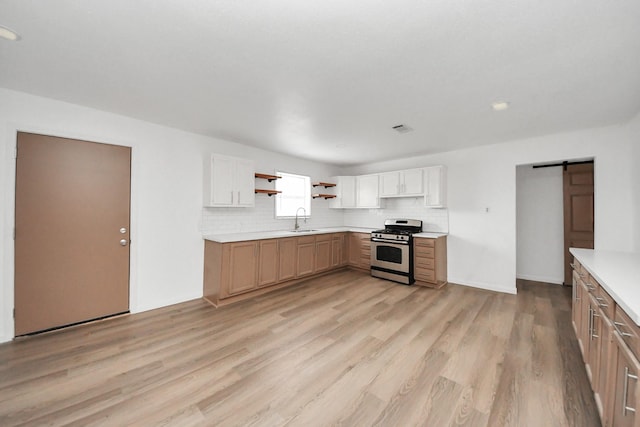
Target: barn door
578,211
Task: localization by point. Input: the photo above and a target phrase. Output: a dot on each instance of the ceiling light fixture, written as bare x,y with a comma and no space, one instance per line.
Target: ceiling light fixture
500,105
8,34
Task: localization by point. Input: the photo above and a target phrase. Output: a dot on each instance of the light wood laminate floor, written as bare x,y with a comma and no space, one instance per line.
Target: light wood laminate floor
344,349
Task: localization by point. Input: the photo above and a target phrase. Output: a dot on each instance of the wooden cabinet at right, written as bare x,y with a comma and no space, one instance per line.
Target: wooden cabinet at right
430,261
610,344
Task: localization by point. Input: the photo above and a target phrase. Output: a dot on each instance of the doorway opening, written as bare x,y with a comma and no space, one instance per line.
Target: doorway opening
554,211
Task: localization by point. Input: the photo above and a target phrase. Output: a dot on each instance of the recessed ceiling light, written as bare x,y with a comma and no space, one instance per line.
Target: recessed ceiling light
500,105
8,34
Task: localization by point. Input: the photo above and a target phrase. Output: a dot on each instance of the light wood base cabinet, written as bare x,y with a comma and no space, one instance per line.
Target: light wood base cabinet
359,247
430,261
610,348
287,258
339,250
306,254
239,270
624,379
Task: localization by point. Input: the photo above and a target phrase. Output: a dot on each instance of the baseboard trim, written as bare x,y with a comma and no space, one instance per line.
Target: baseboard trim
544,279
485,286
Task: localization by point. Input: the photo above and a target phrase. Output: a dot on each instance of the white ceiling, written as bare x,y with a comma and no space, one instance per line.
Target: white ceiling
327,80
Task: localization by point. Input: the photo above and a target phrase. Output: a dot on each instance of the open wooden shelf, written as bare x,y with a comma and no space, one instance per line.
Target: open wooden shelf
268,192
323,184
267,176
324,196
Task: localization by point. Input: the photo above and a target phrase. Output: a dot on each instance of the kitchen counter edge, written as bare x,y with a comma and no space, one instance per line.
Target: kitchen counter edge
261,235
618,274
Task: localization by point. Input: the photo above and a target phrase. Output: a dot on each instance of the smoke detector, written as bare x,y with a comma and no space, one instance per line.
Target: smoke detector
402,128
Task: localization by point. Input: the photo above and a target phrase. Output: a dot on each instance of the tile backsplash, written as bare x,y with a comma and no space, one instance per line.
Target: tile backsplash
436,220
262,216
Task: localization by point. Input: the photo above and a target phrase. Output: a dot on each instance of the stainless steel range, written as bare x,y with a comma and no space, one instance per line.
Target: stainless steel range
392,250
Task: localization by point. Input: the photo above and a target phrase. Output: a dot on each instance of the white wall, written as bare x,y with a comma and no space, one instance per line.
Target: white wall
481,244
539,224
167,213
634,130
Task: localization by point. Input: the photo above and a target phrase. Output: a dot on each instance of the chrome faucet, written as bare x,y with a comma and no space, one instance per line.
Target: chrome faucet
297,226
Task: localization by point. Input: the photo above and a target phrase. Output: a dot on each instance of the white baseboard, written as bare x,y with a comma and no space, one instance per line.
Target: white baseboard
486,286
545,279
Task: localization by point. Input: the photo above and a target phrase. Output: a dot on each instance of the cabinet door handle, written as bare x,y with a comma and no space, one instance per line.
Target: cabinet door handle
593,324
618,325
627,375
590,323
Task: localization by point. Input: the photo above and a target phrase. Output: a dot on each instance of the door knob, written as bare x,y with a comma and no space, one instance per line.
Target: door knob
123,242
123,230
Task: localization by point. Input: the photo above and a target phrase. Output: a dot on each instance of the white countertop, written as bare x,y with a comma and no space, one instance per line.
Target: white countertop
260,235
429,235
619,275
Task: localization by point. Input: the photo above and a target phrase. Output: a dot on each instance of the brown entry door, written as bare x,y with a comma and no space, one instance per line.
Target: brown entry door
578,211
72,231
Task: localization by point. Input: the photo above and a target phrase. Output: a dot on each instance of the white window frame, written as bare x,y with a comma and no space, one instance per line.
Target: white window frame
284,207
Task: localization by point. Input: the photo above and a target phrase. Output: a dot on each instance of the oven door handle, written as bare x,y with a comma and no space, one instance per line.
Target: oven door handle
390,242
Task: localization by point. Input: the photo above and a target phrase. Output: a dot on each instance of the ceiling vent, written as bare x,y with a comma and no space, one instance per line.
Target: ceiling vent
402,128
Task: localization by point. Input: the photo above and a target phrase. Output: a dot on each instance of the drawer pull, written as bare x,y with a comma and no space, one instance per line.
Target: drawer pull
573,266
591,288
627,376
618,325
601,303
593,324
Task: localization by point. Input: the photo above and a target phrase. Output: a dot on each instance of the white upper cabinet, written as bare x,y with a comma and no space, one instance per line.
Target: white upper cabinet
356,192
345,192
435,182
405,183
368,191
228,182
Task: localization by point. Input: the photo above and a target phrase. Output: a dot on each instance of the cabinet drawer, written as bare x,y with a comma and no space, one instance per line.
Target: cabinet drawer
306,240
425,252
423,262
425,275
605,302
592,285
629,331
430,243
582,272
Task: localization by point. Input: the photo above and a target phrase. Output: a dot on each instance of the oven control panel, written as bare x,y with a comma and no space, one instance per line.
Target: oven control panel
390,237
